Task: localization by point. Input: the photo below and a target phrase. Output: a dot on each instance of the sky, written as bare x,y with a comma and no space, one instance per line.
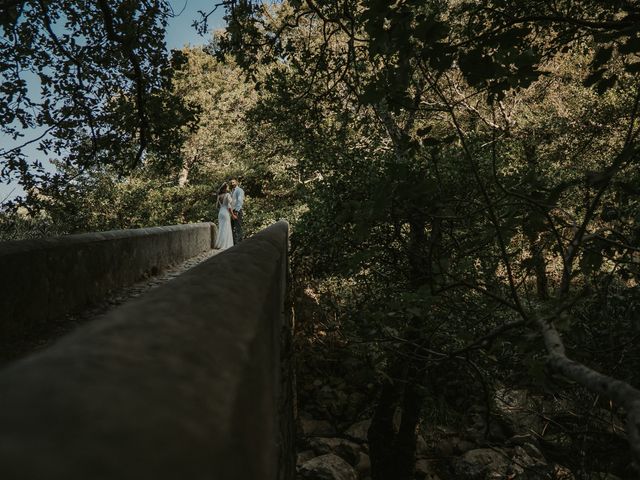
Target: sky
179,33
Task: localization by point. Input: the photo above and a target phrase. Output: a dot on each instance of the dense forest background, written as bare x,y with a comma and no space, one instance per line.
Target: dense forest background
462,182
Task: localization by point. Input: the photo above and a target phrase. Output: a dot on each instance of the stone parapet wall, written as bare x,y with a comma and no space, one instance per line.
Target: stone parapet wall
44,279
185,381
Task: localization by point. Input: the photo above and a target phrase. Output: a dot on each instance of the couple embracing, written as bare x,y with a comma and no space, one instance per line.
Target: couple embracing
229,204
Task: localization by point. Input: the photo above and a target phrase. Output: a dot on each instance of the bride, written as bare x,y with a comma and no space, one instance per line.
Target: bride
224,239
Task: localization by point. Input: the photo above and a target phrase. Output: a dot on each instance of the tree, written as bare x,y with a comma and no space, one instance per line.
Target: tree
404,73
93,79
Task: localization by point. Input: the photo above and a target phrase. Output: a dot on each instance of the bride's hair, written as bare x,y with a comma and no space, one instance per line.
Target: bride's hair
224,188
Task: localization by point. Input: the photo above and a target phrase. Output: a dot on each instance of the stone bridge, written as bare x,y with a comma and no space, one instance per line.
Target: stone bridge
190,380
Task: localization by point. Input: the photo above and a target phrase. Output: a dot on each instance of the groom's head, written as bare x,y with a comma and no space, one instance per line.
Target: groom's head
233,182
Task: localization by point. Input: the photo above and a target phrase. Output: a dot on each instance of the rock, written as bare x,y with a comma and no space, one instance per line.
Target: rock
325,393
519,408
422,449
499,430
425,470
522,439
529,464
562,473
355,404
522,463
481,464
358,431
364,465
315,428
346,449
461,445
476,426
444,448
444,430
327,467
534,451
304,457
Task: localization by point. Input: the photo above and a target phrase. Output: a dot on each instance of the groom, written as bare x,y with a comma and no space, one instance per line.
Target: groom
237,194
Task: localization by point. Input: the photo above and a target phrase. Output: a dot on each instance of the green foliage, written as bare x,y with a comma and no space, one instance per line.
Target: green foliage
175,186
454,172
463,173
94,78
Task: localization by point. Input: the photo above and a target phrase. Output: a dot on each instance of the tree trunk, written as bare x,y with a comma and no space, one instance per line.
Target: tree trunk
183,176
381,434
539,266
393,453
405,447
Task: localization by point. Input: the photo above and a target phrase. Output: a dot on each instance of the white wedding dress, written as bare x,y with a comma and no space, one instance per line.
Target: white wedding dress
224,238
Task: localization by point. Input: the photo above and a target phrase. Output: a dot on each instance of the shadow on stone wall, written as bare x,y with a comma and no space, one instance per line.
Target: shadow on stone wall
183,382
44,280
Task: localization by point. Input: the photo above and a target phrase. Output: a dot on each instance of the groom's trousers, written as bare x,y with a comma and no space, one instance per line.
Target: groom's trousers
236,228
